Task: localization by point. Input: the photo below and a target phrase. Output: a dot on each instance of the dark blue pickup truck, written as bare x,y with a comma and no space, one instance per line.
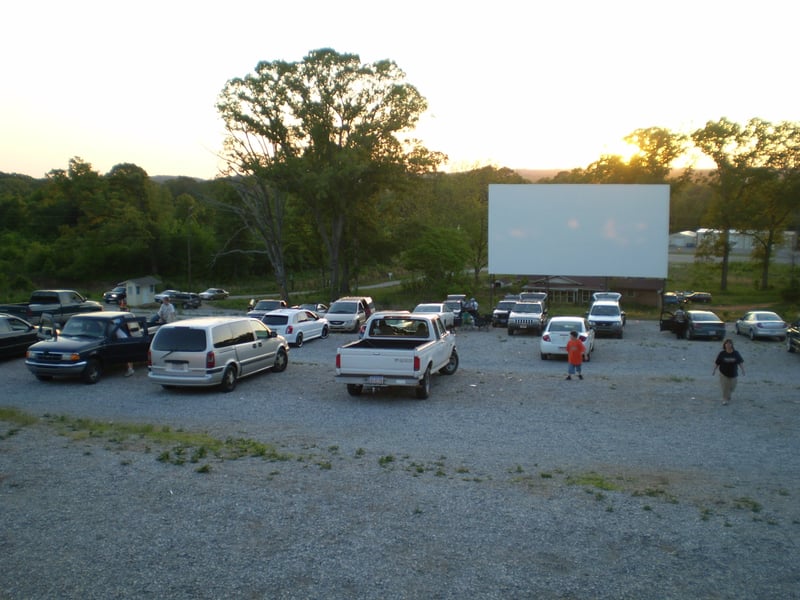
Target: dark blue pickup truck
90,344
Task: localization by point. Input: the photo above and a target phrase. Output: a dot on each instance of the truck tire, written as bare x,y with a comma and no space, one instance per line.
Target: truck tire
354,389
452,366
423,390
91,374
228,383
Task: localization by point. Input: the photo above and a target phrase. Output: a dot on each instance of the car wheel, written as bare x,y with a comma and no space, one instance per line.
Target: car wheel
690,334
423,390
589,356
452,366
789,345
281,361
619,335
752,334
354,389
298,340
510,332
737,330
91,374
324,333
228,383
543,356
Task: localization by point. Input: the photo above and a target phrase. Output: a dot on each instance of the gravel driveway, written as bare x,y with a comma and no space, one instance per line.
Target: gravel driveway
509,482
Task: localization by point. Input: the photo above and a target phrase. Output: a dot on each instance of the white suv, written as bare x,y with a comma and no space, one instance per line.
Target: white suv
607,318
527,317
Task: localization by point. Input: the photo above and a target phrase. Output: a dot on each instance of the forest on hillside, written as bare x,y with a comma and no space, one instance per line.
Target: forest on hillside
324,184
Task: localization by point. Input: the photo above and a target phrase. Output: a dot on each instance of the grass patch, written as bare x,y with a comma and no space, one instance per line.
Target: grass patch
594,480
180,446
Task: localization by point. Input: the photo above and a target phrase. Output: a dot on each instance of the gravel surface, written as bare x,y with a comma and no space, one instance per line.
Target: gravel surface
508,482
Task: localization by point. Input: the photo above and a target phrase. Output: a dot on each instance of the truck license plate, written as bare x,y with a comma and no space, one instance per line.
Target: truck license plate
375,380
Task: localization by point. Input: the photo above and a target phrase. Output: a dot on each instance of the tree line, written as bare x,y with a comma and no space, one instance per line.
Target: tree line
324,181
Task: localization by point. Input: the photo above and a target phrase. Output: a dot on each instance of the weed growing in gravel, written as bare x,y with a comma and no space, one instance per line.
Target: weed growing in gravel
385,461
747,504
594,480
13,415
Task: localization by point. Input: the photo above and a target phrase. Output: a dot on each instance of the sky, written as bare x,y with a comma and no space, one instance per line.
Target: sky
511,83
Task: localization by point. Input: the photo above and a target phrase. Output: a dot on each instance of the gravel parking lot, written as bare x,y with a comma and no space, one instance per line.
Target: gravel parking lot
509,482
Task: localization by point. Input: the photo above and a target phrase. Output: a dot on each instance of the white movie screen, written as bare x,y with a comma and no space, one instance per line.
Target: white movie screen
579,230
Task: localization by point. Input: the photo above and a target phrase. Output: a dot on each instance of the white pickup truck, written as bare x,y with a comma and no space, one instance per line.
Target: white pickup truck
397,349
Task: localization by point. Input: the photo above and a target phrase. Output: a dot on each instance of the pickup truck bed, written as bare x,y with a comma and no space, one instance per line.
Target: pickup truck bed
397,350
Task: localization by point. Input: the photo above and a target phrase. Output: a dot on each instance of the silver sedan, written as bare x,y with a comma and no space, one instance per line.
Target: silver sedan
761,323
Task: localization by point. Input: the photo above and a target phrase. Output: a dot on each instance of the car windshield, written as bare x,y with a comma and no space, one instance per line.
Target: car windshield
274,319
180,339
505,305
427,308
565,326
343,308
605,311
767,317
267,304
85,328
528,307
700,316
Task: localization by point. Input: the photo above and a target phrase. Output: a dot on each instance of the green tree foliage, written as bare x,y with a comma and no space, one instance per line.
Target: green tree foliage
437,254
326,131
755,184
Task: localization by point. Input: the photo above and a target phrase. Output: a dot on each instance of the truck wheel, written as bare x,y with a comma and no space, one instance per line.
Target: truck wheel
91,374
354,389
510,331
325,332
298,341
281,361
423,390
228,383
452,366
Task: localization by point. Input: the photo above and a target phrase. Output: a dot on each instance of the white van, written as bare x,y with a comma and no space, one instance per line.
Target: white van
208,351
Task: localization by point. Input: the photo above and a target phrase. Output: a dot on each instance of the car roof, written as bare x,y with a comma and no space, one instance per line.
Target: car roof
287,311
105,314
205,321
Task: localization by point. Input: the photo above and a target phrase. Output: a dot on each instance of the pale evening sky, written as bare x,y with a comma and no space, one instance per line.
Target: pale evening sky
535,85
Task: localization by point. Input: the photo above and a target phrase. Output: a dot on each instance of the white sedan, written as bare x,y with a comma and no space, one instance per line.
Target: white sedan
296,325
556,335
446,315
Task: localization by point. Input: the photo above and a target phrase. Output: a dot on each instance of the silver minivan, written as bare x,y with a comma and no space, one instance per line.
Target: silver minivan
207,351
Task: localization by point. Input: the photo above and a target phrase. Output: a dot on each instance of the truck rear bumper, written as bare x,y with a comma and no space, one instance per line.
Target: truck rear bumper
379,380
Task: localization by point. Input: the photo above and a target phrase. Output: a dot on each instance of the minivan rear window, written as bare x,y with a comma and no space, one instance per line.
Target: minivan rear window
180,339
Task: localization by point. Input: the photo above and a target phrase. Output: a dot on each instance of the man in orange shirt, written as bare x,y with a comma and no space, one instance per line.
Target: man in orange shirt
575,352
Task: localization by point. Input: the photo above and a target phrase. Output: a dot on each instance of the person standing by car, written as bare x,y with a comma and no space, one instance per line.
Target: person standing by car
166,314
122,333
729,361
680,323
575,352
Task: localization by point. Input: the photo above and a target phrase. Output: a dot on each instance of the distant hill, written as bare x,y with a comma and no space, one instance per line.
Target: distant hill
535,175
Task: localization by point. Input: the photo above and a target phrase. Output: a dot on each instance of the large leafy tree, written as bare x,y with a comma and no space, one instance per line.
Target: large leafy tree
327,131
755,183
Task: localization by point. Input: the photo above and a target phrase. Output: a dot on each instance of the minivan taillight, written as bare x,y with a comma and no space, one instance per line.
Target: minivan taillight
211,360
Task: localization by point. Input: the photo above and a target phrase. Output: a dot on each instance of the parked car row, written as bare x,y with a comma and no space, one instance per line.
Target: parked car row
119,294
